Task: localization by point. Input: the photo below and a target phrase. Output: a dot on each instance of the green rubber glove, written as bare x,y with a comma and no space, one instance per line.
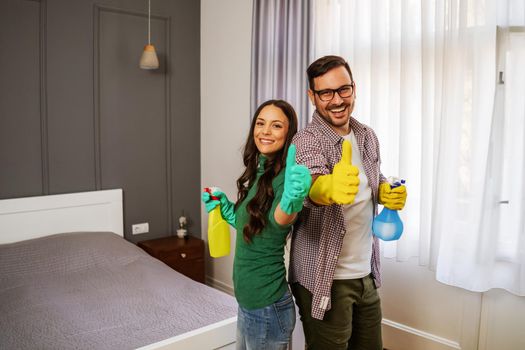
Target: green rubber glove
227,207
339,187
297,181
209,203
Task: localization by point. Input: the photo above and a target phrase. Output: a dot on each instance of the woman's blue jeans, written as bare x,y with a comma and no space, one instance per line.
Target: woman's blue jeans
267,328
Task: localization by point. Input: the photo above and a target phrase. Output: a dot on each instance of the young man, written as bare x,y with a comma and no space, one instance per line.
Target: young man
334,268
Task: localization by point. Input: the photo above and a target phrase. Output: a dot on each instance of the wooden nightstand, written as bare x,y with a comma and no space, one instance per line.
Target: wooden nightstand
184,255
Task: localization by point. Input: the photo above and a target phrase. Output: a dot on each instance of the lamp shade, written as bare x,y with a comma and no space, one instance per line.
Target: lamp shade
149,59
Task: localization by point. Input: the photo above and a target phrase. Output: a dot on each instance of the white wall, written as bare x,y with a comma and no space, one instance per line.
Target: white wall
225,108
420,313
502,321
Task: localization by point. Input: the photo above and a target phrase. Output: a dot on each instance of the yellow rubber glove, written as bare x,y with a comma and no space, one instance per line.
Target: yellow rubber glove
392,198
339,187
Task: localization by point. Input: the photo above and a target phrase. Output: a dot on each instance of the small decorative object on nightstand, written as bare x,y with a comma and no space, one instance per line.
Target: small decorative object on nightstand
183,255
182,232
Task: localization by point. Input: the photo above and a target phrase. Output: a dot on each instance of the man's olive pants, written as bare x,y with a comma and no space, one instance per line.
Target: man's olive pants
353,322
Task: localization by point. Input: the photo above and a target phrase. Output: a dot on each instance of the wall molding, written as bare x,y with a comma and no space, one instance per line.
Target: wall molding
97,11
96,96
429,337
44,138
169,141
395,326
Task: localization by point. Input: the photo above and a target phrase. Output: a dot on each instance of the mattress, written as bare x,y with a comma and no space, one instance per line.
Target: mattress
97,291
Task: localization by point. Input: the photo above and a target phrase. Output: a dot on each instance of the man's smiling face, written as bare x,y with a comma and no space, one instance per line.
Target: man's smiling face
337,111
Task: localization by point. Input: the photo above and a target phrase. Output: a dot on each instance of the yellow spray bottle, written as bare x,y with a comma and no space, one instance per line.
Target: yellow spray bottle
218,231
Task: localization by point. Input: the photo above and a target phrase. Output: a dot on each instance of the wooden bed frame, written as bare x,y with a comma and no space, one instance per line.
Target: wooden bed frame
33,217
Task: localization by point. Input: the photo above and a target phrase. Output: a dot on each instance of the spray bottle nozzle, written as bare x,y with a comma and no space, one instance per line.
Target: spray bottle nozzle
395,181
210,190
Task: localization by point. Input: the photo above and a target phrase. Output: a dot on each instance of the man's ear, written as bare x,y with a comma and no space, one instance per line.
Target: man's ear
311,96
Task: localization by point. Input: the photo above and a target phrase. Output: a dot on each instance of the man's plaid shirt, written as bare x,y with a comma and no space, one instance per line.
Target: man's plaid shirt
318,234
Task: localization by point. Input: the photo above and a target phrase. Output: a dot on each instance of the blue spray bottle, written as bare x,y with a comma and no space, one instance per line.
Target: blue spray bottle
388,225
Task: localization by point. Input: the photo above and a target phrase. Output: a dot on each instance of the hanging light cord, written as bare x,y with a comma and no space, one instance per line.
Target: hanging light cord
149,20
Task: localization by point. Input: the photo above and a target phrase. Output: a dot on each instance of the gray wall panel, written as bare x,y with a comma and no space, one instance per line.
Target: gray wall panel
20,103
133,117
85,117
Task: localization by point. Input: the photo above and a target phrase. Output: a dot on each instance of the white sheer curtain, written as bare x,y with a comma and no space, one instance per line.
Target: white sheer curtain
426,82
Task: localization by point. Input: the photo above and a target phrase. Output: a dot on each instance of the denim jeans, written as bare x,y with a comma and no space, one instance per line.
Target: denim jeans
267,328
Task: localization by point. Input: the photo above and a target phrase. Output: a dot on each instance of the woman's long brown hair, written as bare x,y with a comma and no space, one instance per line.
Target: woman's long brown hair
261,203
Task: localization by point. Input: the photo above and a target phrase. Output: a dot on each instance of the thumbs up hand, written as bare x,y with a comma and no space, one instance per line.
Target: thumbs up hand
345,182
297,181
339,187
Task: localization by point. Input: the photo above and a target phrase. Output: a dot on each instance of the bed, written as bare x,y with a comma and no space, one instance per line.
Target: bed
68,280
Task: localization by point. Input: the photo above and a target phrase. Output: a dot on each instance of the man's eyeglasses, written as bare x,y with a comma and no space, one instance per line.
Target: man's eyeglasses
328,94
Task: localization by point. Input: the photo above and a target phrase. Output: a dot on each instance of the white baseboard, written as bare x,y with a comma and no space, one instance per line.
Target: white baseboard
400,336
210,281
396,336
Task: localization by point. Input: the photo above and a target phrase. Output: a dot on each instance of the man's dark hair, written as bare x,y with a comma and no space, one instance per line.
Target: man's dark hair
323,65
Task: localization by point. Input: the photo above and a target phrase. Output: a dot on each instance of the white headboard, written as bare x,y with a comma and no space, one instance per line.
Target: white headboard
33,217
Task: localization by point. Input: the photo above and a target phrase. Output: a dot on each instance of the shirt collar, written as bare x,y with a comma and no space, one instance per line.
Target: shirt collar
358,128
260,166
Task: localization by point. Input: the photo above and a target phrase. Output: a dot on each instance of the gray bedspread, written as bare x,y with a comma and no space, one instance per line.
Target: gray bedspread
97,291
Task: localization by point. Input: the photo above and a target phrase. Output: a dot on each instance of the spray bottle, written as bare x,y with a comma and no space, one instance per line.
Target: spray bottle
218,231
388,225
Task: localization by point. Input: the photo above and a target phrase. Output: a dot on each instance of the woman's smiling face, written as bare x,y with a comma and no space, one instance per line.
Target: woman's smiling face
270,131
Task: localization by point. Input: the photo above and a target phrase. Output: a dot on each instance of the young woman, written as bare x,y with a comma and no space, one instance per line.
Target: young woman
271,191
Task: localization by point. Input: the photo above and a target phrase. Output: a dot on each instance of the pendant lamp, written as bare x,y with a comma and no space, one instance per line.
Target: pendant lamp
149,59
